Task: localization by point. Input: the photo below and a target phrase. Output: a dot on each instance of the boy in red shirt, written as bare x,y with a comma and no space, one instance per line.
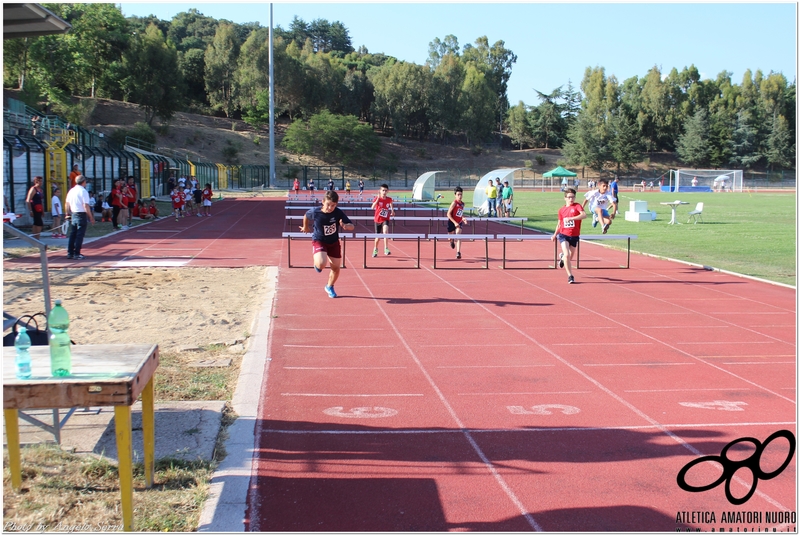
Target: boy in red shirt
178,200
568,230
384,211
456,219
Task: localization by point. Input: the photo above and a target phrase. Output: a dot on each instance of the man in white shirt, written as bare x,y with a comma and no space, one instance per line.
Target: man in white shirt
79,213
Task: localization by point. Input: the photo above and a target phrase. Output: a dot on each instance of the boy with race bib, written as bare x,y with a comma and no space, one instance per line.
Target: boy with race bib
384,211
568,230
324,221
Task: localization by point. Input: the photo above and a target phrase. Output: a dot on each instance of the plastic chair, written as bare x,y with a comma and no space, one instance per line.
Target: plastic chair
696,213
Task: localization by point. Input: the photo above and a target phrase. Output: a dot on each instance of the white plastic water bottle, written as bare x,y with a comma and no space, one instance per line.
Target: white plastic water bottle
22,362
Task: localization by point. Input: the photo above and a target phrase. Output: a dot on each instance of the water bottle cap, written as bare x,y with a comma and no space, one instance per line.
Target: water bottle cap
58,302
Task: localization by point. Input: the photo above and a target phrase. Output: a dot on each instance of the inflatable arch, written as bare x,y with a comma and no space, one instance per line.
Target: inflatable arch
497,174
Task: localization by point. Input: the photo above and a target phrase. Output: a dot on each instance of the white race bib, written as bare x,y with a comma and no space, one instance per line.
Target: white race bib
568,224
330,229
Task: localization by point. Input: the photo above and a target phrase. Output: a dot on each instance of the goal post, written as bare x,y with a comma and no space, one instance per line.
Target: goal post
698,180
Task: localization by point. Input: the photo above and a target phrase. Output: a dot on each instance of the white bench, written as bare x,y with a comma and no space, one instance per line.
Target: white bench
390,236
307,236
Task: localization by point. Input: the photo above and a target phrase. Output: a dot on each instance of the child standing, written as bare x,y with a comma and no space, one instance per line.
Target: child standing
324,221
178,200
55,202
383,206
207,195
598,201
198,200
456,219
568,230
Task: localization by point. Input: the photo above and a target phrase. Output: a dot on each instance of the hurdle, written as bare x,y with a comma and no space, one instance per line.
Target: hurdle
470,237
372,235
600,237
525,237
488,220
302,235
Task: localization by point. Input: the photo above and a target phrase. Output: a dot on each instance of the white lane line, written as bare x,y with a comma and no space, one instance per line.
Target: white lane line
518,429
344,367
498,366
317,395
520,393
684,443
689,390
326,346
646,364
777,362
723,342
592,344
150,263
486,461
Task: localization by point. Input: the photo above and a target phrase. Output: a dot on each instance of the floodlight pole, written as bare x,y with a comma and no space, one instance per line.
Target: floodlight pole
271,104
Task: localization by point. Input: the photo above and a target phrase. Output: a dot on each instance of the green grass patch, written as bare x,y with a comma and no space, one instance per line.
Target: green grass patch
751,234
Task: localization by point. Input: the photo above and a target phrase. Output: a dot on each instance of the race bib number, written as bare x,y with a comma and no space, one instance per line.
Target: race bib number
568,224
383,213
459,212
330,229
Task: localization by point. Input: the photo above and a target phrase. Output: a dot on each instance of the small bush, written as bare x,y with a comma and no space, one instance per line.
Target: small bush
257,140
477,150
421,152
230,152
284,160
528,163
540,160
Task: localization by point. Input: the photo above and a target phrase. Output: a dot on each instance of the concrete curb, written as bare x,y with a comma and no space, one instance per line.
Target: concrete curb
225,507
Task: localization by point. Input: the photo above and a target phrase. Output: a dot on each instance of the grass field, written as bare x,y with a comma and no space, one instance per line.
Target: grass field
751,234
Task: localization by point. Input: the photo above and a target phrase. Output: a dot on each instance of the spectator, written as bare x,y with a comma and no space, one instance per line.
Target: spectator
73,175
132,197
152,209
55,206
507,199
491,194
35,202
79,213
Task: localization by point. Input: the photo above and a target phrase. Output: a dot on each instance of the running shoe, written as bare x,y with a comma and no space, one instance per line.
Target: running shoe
458,256
387,252
70,257
571,279
374,253
605,228
595,221
560,261
330,292
79,257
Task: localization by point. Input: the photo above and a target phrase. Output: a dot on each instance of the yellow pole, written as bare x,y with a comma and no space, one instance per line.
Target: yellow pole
125,455
148,431
12,435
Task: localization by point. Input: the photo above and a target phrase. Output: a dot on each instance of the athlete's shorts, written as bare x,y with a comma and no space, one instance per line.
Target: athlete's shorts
333,250
572,240
206,202
451,226
379,226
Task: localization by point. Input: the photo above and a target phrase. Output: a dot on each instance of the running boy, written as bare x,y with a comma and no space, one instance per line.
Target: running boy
324,222
383,206
456,219
598,201
568,230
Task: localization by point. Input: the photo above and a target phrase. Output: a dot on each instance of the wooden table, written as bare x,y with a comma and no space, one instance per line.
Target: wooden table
102,375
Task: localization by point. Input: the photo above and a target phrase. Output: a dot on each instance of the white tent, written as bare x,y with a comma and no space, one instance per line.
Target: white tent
424,188
497,174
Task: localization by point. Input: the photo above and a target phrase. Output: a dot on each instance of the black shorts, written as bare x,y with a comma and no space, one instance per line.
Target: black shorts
37,219
451,226
379,226
131,205
572,240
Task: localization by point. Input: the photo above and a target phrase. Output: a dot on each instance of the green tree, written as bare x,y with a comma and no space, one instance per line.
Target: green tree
444,96
145,62
518,126
548,126
589,140
338,138
221,58
780,151
744,142
478,102
693,146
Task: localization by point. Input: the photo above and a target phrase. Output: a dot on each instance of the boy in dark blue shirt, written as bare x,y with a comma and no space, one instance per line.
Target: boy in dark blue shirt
324,222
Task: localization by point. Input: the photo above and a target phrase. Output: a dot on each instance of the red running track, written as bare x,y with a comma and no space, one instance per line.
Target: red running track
508,400
479,399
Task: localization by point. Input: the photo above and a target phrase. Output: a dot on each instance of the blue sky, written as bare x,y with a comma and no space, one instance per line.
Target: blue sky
553,42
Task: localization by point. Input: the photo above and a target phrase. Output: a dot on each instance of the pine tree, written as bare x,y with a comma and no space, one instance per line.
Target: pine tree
693,146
